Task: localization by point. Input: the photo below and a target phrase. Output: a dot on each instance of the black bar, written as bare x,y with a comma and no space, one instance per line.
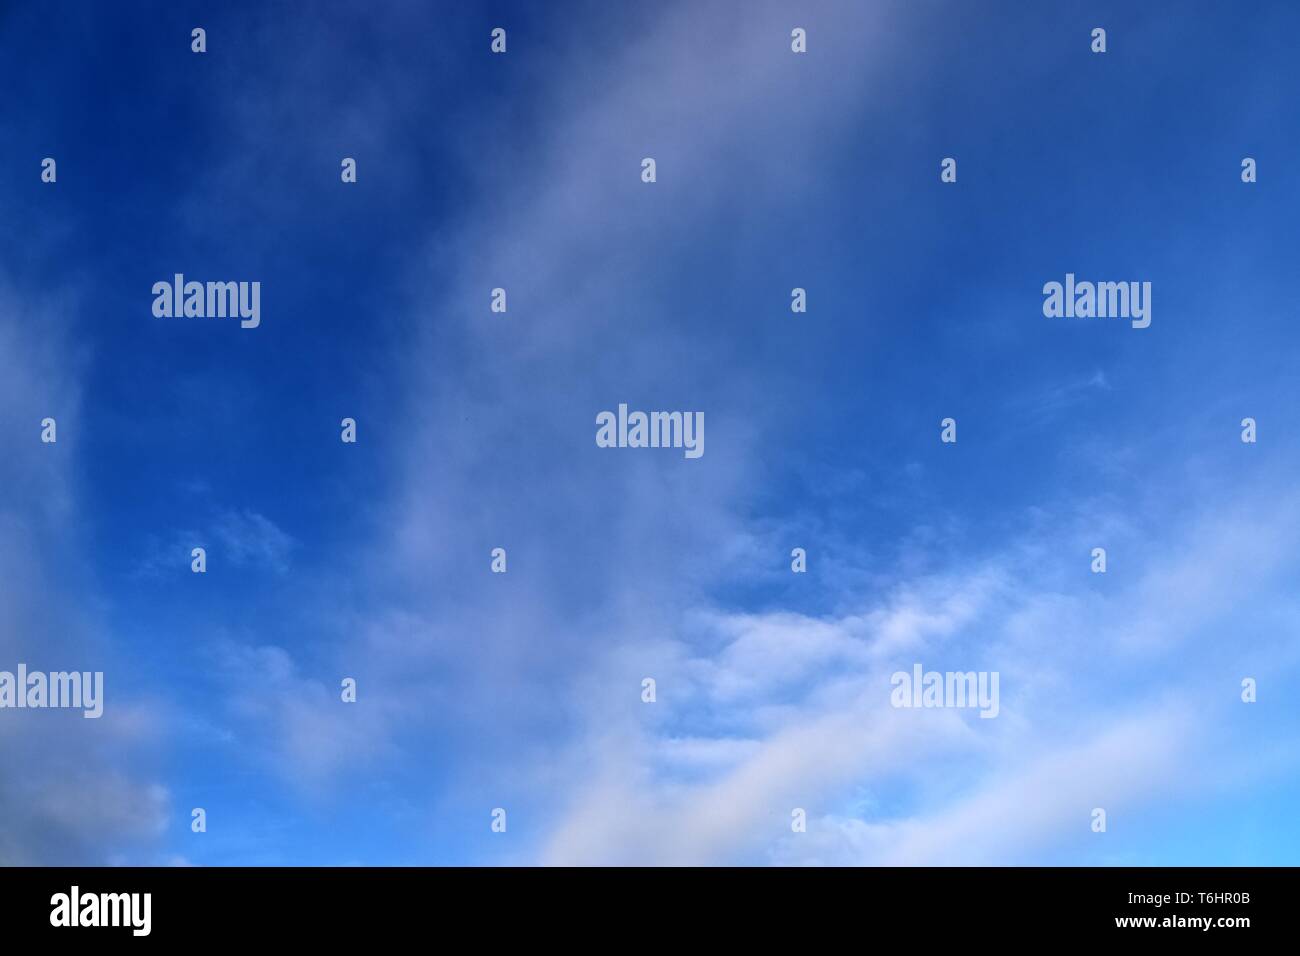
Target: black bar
670,906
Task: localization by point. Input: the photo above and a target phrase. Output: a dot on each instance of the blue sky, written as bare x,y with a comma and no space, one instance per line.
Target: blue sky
475,431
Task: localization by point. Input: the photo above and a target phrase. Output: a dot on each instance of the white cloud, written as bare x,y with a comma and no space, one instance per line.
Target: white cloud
69,793
249,539
613,558
1090,717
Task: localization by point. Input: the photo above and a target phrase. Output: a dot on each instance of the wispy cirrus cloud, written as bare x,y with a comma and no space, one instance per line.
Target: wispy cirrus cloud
1082,725
530,680
73,791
